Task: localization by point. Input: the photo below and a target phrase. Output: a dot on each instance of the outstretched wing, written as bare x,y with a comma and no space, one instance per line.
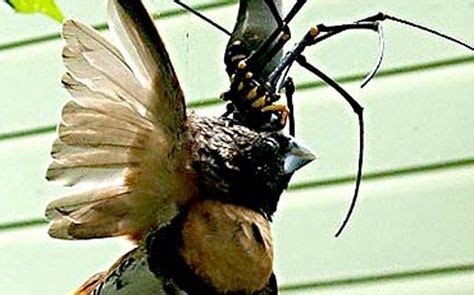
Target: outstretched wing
122,136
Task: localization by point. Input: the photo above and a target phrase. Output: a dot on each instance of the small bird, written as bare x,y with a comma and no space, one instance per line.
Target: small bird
196,194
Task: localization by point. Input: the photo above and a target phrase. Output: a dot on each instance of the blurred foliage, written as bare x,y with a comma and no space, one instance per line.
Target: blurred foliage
47,7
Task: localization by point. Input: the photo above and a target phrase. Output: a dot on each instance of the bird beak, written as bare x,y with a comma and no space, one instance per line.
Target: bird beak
297,157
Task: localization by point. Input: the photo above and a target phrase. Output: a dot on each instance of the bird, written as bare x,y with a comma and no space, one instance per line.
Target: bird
195,194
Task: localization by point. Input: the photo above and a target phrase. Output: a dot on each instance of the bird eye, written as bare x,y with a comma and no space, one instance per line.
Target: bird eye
271,143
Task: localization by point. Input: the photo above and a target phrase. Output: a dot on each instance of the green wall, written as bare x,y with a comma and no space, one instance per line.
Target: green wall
413,229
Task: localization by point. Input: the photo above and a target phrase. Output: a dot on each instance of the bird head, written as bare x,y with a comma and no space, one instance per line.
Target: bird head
266,169
238,165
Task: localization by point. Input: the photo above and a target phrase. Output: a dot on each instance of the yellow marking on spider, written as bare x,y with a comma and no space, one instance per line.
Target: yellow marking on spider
252,94
281,108
313,32
260,102
276,107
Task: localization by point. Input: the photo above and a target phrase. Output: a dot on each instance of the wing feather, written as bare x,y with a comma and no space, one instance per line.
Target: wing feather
80,35
75,115
106,212
121,134
145,52
91,214
65,206
98,135
103,73
92,100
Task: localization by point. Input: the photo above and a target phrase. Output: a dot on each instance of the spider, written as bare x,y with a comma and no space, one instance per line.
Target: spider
256,88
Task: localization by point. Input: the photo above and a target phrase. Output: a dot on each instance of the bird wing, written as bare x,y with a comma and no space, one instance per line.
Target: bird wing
122,137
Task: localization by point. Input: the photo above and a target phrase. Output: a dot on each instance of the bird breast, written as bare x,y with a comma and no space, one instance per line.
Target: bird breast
229,246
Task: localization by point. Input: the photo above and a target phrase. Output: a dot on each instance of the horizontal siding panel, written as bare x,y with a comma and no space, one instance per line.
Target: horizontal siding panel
401,224
24,191
40,67
17,28
404,46
411,120
459,284
194,46
416,124
439,14
33,263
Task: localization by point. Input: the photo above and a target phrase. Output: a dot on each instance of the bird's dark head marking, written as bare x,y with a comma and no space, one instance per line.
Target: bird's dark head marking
266,169
238,165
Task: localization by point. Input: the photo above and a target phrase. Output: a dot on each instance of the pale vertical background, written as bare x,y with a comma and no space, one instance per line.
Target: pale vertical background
413,229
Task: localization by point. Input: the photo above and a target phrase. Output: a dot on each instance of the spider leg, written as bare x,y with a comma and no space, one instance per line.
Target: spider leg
230,108
203,17
281,33
375,19
358,110
312,37
382,17
289,91
378,64
273,9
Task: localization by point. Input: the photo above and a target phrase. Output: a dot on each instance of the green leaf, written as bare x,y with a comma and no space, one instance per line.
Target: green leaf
47,7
